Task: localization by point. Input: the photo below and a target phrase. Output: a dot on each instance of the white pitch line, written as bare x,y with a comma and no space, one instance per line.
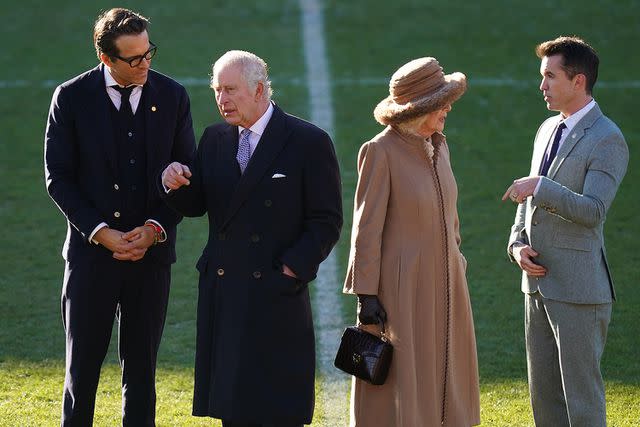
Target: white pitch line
345,81
332,397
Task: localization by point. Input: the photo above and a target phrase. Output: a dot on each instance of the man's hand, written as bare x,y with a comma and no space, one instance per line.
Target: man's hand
176,175
137,241
524,256
370,310
521,189
111,239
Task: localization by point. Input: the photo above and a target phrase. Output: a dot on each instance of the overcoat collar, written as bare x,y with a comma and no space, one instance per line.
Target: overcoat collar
275,137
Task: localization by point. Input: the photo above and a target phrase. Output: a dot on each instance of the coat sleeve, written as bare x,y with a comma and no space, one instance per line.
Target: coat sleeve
183,151
61,159
322,199
606,168
369,213
188,200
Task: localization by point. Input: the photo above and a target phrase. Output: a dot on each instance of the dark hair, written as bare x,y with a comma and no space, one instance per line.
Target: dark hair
577,58
113,23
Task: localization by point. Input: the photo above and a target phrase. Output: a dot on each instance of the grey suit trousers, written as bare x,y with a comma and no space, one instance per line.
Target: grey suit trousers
565,343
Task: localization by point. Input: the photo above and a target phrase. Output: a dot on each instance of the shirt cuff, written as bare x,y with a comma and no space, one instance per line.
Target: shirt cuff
95,230
163,235
535,190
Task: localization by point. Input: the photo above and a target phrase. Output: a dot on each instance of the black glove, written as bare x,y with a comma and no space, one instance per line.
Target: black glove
370,311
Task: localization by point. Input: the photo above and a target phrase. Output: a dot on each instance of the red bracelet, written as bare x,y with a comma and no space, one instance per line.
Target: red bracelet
157,232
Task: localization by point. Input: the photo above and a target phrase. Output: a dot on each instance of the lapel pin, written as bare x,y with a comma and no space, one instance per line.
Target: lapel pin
153,108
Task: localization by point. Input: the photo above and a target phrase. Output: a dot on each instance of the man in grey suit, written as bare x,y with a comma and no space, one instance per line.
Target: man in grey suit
579,159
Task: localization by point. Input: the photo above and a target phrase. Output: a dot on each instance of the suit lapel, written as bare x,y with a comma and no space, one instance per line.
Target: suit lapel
271,143
149,106
577,133
104,128
541,144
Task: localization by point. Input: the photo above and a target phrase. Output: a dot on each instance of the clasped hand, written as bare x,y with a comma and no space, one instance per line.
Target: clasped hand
126,246
176,175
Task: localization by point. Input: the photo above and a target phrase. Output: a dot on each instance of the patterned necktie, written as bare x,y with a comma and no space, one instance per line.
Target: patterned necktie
244,150
125,104
550,154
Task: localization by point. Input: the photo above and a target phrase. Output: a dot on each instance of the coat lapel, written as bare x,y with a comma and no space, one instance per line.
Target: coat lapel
577,133
271,143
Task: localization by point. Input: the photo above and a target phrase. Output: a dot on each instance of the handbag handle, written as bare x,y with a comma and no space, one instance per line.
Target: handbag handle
383,335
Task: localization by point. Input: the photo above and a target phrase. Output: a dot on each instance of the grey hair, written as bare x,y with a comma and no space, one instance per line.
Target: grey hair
253,69
411,126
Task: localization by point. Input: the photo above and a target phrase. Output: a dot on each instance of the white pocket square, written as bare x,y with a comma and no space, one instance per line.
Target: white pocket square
278,175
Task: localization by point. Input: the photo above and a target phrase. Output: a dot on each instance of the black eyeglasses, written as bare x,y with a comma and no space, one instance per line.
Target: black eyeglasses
134,61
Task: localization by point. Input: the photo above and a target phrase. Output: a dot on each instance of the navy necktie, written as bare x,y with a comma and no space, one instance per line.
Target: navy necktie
550,153
125,104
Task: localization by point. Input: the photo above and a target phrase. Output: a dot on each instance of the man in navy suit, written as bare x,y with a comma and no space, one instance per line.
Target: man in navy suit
110,130
270,184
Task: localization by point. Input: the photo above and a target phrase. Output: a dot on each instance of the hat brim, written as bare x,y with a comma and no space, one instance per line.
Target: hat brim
388,112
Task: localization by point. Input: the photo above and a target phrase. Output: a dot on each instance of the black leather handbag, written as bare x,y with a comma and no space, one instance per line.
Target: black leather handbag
364,355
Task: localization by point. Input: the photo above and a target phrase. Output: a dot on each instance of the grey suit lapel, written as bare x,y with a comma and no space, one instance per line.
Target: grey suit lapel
577,133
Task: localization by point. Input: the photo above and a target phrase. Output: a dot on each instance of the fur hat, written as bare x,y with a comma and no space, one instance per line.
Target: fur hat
417,88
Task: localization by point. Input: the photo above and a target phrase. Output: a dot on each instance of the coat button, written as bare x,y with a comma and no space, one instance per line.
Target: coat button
220,272
268,203
255,238
257,275
116,214
116,186
221,236
534,223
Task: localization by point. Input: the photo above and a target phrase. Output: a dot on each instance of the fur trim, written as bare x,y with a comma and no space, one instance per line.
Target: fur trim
387,112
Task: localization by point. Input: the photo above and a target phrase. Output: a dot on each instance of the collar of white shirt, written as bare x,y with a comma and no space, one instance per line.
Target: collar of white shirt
261,124
573,119
115,96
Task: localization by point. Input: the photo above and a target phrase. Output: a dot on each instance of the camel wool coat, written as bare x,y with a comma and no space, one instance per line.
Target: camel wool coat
405,249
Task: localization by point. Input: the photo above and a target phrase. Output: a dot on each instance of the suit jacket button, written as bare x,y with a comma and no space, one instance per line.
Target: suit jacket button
268,203
116,214
116,186
221,236
220,272
257,275
255,238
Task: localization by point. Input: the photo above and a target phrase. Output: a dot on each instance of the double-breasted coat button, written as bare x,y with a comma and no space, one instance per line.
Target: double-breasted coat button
255,238
257,275
116,214
268,203
220,272
116,186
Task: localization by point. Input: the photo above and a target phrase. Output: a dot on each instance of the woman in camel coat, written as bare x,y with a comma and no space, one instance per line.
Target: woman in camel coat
405,263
